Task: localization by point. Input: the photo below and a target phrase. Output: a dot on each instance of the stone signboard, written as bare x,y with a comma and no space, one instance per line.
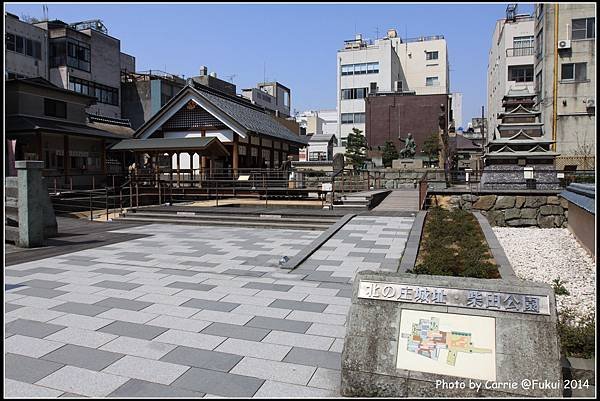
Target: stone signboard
436,336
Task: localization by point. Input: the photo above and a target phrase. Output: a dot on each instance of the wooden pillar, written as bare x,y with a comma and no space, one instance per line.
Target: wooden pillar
203,159
103,157
178,172
235,156
66,158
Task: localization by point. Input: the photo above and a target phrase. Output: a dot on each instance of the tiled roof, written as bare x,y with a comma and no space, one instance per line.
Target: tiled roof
250,117
582,195
17,123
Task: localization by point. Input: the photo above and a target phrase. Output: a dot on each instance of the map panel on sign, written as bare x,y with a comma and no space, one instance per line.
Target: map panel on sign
448,344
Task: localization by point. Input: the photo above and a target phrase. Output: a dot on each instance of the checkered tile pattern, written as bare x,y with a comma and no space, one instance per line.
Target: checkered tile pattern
190,312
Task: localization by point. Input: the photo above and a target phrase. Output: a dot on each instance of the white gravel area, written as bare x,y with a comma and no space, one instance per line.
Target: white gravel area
544,254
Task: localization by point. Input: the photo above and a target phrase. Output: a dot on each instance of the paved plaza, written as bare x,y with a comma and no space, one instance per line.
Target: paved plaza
190,311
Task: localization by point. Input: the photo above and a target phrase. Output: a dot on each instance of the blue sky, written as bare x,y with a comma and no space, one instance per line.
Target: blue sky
296,42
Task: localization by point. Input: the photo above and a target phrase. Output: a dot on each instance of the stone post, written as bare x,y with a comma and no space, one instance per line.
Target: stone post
31,215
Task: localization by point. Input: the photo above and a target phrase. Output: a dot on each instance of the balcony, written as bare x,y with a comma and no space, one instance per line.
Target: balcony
519,51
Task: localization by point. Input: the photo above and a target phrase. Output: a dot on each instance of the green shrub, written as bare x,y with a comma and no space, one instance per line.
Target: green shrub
453,245
577,334
559,288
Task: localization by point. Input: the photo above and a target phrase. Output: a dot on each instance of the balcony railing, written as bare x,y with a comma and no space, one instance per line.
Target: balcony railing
519,51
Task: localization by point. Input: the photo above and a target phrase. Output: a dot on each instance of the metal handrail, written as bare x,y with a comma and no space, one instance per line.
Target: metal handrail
519,51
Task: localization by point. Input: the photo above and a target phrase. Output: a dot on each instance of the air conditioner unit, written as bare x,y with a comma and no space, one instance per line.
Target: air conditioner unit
564,44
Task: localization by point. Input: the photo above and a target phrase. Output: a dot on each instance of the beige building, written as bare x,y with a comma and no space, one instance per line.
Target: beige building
510,63
390,64
26,51
565,79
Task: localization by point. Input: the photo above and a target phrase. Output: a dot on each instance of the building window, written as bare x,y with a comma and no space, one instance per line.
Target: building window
583,28
28,47
522,46
78,55
354,93
520,73
353,118
103,93
55,108
431,55
538,85
432,81
359,69
573,72
317,156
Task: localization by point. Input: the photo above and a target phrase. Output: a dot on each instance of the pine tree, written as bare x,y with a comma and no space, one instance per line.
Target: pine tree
356,149
389,153
431,146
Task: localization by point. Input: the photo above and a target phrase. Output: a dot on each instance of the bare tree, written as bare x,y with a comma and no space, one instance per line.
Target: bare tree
585,149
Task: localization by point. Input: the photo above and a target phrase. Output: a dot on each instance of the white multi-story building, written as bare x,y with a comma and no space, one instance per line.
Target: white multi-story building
317,122
389,64
457,110
26,51
510,63
565,79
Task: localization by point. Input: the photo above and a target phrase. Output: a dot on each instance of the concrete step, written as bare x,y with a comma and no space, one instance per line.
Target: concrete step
11,234
225,217
231,223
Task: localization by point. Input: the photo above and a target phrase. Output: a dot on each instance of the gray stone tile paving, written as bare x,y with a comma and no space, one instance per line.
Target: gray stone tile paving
236,331
191,311
210,305
141,388
82,357
200,358
32,328
307,356
122,303
128,329
293,326
27,369
298,305
80,309
218,383
40,292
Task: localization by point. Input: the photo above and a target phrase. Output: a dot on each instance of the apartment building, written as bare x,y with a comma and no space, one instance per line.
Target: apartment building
316,122
85,59
390,64
26,51
273,96
510,62
457,114
144,93
565,79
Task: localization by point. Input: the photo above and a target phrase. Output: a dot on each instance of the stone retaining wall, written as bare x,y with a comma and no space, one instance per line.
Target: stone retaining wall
544,211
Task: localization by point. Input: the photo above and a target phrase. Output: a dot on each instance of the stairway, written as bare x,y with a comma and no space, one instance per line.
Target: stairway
361,200
400,200
194,216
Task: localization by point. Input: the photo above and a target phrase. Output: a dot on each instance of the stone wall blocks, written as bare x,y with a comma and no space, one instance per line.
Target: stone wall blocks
545,221
551,209
528,213
511,214
553,200
505,202
535,201
519,201
485,202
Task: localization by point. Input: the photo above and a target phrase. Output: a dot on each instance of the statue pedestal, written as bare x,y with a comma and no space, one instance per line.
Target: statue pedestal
403,164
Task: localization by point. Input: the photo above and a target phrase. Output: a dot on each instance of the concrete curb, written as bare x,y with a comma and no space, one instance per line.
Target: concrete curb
317,243
409,256
504,267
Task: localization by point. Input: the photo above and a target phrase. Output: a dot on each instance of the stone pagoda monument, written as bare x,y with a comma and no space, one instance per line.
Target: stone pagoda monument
519,156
